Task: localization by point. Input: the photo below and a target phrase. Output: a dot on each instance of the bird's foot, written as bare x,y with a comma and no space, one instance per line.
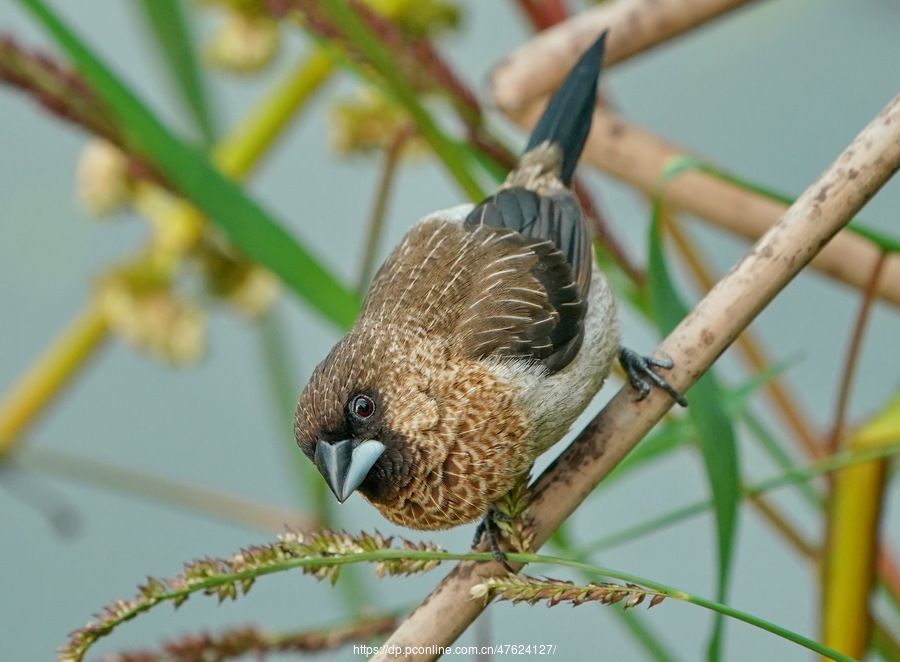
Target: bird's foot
640,373
488,528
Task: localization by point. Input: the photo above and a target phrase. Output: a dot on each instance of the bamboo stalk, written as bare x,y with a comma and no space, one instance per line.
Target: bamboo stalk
531,72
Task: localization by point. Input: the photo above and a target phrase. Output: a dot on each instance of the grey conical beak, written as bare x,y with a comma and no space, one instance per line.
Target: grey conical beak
345,465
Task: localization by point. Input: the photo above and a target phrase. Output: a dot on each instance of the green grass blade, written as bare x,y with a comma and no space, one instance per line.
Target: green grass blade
738,407
715,434
167,24
644,636
282,389
718,446
248,227
773,448
646,528
676,594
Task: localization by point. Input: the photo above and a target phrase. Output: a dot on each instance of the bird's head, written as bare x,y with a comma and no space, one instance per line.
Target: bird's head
356,415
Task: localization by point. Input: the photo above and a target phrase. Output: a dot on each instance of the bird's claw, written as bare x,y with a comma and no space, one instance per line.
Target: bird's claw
640,373
488,528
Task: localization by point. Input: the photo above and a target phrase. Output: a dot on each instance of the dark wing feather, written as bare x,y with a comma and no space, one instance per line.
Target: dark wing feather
510,281
552,229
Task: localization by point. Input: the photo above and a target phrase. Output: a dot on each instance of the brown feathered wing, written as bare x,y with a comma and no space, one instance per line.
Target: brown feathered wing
511,281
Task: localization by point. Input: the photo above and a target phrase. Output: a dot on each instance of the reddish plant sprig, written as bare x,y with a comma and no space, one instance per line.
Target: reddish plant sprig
65,94
56,87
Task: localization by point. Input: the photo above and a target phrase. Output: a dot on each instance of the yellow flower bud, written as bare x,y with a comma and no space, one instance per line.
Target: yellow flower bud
256,294
102,182
142,310
243,43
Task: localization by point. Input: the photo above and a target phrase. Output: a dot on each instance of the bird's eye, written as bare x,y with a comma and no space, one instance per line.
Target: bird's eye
362,407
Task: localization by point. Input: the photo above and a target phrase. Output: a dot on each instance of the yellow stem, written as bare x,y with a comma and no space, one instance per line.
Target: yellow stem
852,540
238,152
46,377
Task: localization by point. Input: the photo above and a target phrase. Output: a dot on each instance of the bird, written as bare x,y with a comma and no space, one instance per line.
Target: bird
484,335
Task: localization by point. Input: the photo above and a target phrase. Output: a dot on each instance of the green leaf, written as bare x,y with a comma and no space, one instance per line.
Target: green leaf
167,24
245,224
715,433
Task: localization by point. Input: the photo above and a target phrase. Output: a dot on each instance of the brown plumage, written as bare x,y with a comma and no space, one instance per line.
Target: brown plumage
484,335
453,429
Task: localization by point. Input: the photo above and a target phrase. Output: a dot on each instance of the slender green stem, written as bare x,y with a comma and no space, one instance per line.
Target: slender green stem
775,451
687,163
302,475
127,611
829,464
283,390
645,528
676,594
640,631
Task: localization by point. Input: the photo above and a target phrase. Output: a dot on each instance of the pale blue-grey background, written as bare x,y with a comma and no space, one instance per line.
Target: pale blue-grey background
773,92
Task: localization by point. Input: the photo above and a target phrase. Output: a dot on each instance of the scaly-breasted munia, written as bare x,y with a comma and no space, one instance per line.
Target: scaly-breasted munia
484,335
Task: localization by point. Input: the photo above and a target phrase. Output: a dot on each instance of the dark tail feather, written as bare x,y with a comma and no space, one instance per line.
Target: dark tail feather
567,119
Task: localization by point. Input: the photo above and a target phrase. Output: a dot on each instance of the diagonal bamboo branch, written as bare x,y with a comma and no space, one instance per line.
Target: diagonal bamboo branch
817,215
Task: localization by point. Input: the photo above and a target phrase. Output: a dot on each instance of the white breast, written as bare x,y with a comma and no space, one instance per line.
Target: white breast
556,400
